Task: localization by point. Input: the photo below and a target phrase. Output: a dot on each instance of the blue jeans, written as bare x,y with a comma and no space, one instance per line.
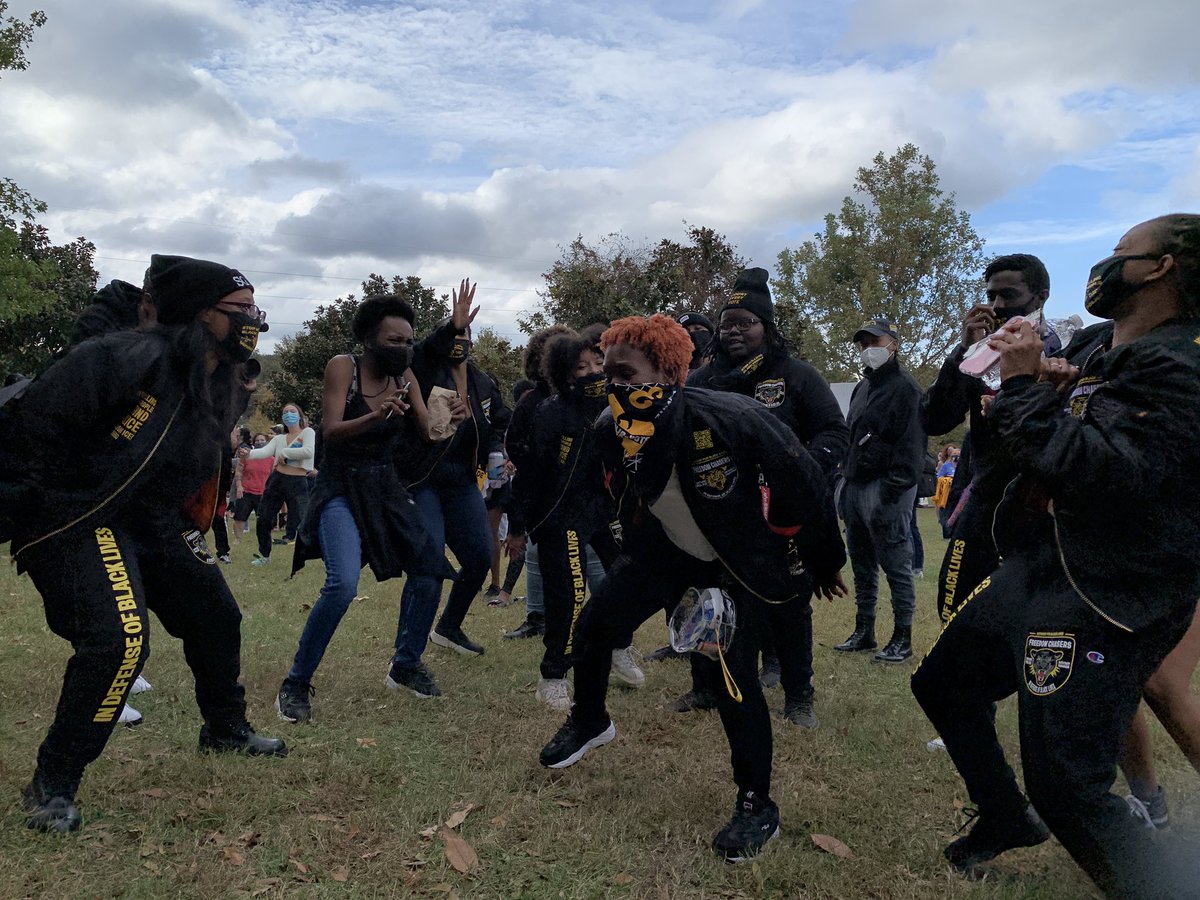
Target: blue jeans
454,515
878,535
342,549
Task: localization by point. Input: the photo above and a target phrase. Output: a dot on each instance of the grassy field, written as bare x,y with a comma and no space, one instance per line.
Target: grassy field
355,810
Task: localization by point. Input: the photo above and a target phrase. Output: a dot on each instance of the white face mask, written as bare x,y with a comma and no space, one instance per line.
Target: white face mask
874,357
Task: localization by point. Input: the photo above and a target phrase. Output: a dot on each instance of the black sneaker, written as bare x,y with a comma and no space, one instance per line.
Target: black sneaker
239,738
573,742
224,557
662,654
533,626
454,639
283,542
754,823
800,713
419,680
491,593
48,811
991,835
693,701
292,702
769,675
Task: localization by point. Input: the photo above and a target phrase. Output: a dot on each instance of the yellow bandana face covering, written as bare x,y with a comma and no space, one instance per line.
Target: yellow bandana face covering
634,408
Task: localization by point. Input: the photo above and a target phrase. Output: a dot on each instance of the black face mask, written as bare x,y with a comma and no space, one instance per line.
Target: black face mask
1004,313
1107,288
591,388
391,360
461,349
242,337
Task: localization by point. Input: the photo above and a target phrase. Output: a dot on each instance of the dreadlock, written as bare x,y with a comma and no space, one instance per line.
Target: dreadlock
1179,234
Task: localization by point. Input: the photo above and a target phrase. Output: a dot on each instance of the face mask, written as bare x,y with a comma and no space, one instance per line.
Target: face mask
259,444
391,360
291,419
1107,288
461,349
589,387
242,338
874,357
634,408
1004,313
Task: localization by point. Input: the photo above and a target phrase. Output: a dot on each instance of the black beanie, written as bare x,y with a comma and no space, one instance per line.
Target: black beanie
750,292
696,318
181,286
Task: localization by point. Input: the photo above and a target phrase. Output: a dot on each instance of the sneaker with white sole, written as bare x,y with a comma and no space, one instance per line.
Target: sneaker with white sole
141,685
454,639
573,742
1153,812
129,717
625,670
419,680
936,745
755,822
554,693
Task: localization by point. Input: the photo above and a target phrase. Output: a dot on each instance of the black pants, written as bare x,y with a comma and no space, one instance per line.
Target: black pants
632,592
220,535
96,587
788,639
562,556
1078,681
516,566
970,556
280,489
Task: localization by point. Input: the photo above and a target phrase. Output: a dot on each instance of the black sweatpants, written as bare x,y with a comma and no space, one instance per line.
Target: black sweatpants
280,489
96,586
634,590
970,556
788,639
1078,681
562,556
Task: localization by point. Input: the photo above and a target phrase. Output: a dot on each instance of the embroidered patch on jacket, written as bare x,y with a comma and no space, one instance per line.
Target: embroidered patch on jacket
564,449
199,547
703,439
1080,395
1048,660
716,476
770,393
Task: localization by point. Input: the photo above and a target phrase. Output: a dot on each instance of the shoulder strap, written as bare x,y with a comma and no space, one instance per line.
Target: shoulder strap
353,379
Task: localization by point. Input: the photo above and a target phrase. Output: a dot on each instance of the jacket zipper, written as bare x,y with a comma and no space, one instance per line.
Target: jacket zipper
103,503
1062,558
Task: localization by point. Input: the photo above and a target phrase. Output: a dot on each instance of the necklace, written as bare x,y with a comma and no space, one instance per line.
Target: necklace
386,383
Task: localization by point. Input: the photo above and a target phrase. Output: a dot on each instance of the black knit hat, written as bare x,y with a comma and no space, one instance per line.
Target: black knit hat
696,318
750,292
181,286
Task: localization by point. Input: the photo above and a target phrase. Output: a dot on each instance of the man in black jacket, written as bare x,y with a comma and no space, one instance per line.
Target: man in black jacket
751,358
711,491
887,448
1098,580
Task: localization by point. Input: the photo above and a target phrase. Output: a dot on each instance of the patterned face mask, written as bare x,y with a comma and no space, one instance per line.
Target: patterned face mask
635,408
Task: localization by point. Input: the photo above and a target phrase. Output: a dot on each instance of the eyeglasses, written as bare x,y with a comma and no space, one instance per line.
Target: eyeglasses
739,325
245,309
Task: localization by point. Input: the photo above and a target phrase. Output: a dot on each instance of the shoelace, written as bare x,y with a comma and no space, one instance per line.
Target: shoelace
970,813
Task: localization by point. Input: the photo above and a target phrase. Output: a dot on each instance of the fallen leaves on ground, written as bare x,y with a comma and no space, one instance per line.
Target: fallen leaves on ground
233,856
367,742
623,878
832,845
459,853
460,815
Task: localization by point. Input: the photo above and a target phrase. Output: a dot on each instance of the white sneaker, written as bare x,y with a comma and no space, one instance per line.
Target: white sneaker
141,685
129,716
554,693
625,671
935,745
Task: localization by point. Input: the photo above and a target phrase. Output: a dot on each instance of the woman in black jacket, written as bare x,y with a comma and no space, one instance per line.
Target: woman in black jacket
124,440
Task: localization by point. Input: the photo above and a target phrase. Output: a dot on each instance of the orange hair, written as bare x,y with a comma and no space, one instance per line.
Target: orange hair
665,342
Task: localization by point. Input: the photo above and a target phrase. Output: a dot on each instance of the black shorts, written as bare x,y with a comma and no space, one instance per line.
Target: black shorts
246,504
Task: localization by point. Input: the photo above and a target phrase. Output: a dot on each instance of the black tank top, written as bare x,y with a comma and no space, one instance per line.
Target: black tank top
373,445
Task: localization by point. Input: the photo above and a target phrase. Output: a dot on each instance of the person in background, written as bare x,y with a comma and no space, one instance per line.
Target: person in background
701,330
249,480
293,452
516,562
497,494
947,464
887,446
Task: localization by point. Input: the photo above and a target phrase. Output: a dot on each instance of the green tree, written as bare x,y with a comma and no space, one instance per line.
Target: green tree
900,248
430,308
617,278
499,358
15,36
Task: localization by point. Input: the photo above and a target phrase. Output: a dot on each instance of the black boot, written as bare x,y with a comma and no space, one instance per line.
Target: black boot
534,625
899,648
239,738
863,637
50,809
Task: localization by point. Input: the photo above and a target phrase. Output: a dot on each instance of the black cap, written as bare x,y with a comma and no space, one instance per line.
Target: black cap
696,318
750,292
879,328
181,286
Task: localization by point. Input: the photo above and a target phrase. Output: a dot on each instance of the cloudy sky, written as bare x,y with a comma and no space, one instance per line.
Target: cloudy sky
311,142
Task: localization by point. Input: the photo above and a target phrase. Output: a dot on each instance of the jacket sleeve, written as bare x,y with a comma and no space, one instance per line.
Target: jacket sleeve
440,342
532,471
1137,428
950,398
822,427
499,416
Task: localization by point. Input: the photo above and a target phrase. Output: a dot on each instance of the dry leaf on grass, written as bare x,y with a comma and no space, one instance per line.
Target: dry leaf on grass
623,878
341,873
459,816
429,832
367,742
155,794
832,845
233,856
459,853
249,839
500,821
371,855
566,804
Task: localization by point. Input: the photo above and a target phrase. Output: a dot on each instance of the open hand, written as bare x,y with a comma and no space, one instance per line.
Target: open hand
460,304
831,587
514,545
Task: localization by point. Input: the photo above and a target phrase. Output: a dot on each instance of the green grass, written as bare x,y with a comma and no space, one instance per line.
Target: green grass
343,815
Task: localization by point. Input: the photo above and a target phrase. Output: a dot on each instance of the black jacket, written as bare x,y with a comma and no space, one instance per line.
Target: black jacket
756,494
794,392
887,442
518,439
560,481
1120,466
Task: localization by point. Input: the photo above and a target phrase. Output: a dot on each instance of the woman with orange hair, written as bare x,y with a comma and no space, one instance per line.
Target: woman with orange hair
711,492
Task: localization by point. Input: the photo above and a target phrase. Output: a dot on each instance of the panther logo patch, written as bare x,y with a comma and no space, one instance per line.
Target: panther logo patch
770,393
199,547
1082,392
1049,657
716,476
